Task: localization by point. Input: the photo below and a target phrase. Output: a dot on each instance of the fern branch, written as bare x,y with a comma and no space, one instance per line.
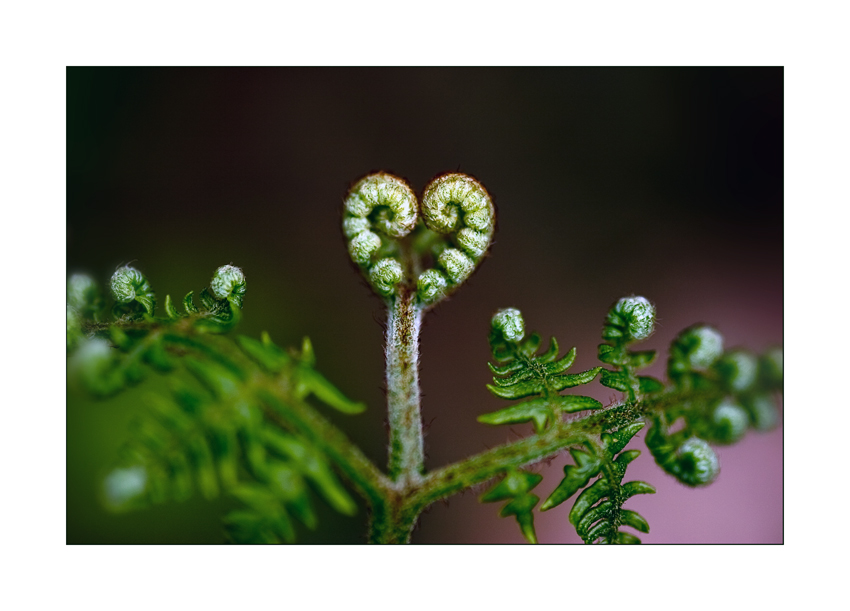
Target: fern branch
406,451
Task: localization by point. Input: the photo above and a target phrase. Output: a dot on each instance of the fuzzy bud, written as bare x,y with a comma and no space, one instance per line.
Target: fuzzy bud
510,323
456,263
228,282
697,462
129,284
730,422
431,286
738,369
698,346
630,319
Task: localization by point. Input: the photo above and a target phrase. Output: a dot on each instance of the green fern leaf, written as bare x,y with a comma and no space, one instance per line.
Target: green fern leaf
575,478
597,512
536,411
515,486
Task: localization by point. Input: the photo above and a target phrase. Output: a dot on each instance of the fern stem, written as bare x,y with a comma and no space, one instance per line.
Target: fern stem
392,521
477,469
406,452
451,479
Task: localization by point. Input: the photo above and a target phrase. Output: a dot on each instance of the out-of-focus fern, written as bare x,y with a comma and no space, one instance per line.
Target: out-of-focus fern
219,434
729,393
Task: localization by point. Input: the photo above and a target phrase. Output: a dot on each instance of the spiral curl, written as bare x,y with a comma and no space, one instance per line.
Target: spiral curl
228,282
692,461
696,348
509,323
456,205
630,319
730,422
379,208
129,285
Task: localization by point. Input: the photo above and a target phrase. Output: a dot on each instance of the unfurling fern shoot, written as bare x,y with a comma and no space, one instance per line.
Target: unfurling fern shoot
242,421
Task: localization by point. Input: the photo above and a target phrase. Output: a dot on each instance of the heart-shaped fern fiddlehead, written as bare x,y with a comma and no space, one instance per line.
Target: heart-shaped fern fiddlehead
391,235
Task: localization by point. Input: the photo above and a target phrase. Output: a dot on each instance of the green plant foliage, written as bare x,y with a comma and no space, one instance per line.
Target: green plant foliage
598,513
516,487
243,416
214,436
520,372
630,319
726,393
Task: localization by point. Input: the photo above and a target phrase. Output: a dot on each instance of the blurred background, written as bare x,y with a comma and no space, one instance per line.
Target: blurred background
663,182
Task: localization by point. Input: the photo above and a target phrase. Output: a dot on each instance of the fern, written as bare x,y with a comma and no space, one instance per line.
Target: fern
598,511
521,373
240,420
216,435
516,486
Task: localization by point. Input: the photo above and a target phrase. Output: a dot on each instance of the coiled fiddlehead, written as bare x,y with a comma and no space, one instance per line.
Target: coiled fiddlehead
132,292
386,240
689,459
379,210
629,320
458,206
692,354
228,283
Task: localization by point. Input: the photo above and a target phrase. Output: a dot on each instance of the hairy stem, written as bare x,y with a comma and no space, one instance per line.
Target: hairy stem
406,453
476,469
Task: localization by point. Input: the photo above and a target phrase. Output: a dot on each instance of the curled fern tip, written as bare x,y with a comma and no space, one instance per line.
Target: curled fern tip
510,323
228,282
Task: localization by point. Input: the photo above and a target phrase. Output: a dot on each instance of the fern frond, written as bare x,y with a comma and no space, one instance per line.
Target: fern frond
629,320
516,487
730,393
684,456
216,437
522,373
597,513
